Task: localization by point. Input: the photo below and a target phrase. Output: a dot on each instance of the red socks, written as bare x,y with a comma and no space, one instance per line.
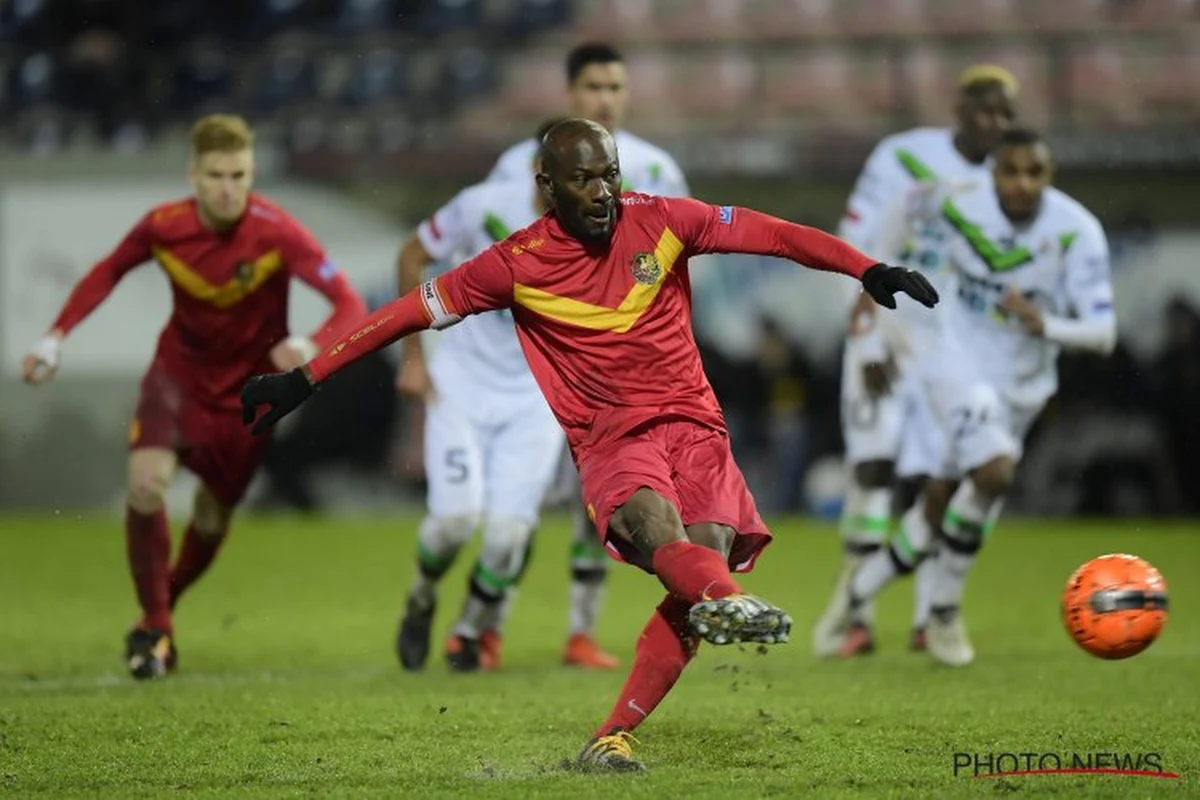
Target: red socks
693,572
195,555
148,546
663,650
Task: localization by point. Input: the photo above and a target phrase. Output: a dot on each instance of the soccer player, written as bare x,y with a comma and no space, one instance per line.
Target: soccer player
886,425
492,445
597,89
1031,269
229,255
600,295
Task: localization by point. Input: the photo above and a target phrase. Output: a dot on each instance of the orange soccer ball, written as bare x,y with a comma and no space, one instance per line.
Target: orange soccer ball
1115,606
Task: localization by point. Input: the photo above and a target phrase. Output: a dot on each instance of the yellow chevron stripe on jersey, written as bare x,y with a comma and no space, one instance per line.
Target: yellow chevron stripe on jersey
250,277
604,318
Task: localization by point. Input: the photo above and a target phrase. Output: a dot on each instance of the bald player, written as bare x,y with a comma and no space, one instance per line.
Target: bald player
597,89
889,431
599,292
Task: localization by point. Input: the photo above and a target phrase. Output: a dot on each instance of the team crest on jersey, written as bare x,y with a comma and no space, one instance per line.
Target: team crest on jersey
244,272
646,269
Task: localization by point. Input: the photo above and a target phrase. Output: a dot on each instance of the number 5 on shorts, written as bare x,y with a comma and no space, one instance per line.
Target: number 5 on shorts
456,463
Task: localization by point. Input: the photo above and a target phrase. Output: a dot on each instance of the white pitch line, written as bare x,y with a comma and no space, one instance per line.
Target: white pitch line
113,680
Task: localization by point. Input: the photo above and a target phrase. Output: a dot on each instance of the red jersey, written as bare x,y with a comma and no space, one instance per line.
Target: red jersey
606,329
230,292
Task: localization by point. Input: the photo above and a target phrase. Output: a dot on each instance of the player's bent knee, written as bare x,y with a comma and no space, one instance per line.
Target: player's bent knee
146,497
150,473
713,536
937,500
647,520
441,533
505,546
210,517
994,478
874,474
147,492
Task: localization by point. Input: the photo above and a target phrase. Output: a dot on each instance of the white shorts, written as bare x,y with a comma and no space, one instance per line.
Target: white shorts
923,441
871,426
978,422
900,426
489,455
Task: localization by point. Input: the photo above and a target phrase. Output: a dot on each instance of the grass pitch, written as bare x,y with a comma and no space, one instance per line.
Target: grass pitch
289,685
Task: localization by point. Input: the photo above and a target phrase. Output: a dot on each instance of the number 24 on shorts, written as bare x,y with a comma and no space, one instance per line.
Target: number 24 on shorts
967,421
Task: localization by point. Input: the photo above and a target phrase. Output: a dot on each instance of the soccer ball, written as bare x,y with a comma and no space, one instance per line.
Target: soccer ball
1115,606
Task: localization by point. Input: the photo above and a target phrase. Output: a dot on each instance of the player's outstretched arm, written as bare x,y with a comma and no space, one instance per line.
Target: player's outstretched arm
41,362
483,283
729,229
284,392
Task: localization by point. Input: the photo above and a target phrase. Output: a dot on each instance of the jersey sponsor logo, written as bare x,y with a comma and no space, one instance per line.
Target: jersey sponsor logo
605,318
326,271
248,277
981,296
265,213
646,269
173,210
360,333
725,216
532,244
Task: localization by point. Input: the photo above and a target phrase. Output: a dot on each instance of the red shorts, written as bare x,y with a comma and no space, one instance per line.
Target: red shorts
211,443
689,464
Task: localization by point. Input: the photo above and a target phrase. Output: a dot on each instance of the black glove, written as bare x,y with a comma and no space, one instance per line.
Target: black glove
282,392
883,282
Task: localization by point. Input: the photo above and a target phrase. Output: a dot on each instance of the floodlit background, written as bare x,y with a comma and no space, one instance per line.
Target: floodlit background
371,113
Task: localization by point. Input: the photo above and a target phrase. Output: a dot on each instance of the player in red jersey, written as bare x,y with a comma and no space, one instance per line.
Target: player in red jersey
599,291
229,255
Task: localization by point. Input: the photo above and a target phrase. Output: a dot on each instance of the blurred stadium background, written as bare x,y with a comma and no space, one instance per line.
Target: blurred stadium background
371,113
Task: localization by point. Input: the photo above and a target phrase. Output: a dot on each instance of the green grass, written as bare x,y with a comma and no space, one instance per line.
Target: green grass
289,686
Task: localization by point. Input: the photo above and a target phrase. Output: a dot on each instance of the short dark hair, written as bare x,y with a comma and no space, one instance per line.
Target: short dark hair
1021,137
545,127
590,53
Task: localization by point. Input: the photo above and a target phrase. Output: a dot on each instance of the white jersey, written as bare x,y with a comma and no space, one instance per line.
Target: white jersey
884,219
482,350
645,167
1059,260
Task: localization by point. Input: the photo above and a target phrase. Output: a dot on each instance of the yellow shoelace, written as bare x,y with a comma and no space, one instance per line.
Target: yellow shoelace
619,743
